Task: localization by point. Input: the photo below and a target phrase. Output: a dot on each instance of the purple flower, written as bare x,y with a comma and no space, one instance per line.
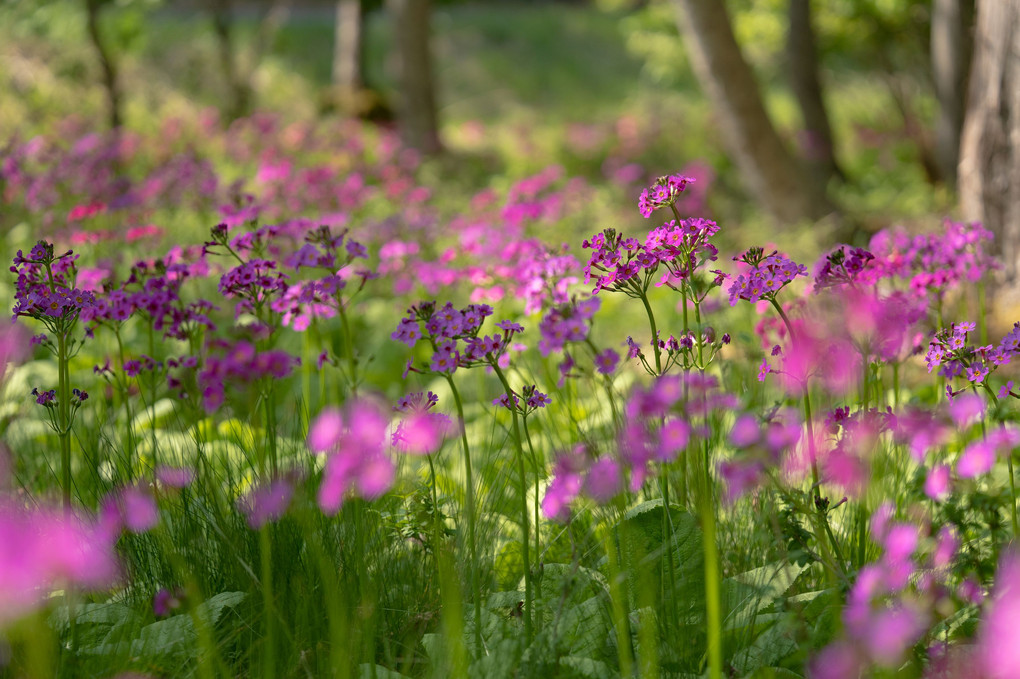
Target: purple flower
664,192
353,440
606,361
266,502
999,637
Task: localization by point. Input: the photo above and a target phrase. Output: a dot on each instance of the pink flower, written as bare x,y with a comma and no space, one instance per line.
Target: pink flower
353,440
936,485
326,430
745,432
267,502
604,480
979,456
175,477
421,433
42,549
966,409
999,638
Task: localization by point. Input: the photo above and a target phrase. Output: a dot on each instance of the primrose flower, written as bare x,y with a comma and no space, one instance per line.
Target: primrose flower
421,432
843,266
353,440
999,636
766,275
664,192
41,550
266,502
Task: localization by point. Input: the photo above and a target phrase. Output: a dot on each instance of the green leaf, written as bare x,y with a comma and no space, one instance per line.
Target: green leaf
643,548
367,671
756,590
586,667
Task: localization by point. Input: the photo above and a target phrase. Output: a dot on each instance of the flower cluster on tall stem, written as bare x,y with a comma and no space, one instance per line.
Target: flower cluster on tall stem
45,292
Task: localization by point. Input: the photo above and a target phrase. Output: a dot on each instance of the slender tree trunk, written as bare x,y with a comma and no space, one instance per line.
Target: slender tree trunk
802,63
416,110
240,95
347,59
951,46
775,178
989,171
111,82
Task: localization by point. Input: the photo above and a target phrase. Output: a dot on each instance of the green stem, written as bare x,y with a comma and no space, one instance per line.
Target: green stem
525,527
896,385
1009,465
607,381
982,314
269,611
712,587
152,398
352,364
618,602
270,407
469,493
127,409
655,333
63,415
1012,494
538,506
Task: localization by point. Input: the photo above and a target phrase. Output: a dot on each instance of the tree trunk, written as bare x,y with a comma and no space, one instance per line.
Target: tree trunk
110,81
989,172
802,65
240,95
416,108
347,60
775,178
951,46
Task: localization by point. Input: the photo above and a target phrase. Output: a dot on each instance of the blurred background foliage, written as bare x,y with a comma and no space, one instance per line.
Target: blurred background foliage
519,84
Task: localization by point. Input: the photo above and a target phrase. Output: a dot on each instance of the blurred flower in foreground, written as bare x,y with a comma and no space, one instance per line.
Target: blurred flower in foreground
41,550
353,440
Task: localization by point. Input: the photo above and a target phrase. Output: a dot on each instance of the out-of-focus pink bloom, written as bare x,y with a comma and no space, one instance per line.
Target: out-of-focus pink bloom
42,549
740,476
165,602
946,547
921,431
745,432
327,429
966,409
353,440
900,542
936,486
880,521
979,456
266,502
566,483
604,480
175,477
421,433
673,438
891,631
838,660
13,344
999,638
132,508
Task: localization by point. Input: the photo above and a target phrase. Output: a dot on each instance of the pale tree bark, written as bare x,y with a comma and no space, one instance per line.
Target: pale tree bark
111,81
775,178
802,66
416,105
951,45
347,56
989,171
